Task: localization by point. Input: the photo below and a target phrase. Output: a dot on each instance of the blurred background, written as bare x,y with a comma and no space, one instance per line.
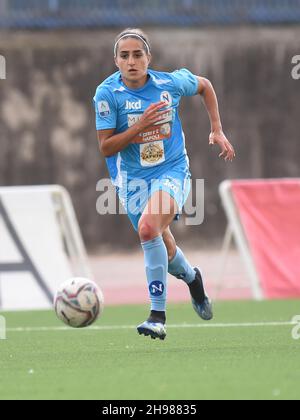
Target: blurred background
58,51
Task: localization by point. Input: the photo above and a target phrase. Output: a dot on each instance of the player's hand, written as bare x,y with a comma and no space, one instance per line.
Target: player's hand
220,139
152,115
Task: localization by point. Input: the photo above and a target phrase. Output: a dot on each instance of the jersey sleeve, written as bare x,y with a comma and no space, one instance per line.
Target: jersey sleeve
186,82
105,108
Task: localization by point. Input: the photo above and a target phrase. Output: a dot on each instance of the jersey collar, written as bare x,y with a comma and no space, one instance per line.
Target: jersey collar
122,87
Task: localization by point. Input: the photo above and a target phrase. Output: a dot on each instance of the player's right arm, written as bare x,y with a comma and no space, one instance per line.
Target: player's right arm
111,143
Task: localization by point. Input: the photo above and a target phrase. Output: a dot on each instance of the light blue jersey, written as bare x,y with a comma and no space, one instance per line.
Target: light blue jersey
160,147
157,156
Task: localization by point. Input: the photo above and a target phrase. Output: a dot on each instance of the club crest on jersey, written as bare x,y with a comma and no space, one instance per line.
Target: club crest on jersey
166,97
133,106
104,109
156,288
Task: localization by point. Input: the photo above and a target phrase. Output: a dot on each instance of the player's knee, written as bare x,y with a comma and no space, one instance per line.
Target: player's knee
147,231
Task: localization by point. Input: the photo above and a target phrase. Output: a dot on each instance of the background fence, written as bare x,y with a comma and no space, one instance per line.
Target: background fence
103,13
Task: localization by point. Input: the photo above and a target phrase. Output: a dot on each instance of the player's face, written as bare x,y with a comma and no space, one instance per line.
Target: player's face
133,62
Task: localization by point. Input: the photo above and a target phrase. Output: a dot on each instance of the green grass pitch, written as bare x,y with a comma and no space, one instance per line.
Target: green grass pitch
113,362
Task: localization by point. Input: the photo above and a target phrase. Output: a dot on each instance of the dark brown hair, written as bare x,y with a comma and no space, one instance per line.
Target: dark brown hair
131,32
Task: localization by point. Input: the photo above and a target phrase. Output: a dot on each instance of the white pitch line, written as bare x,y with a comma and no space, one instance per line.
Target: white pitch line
130,327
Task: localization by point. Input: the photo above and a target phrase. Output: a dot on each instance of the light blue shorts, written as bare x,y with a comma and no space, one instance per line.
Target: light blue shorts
136,194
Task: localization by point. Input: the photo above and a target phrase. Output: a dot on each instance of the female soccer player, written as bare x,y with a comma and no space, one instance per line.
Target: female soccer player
141,137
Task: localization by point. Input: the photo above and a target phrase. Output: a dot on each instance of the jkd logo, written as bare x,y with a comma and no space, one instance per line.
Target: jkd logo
156,288
2,68
130,106
171,185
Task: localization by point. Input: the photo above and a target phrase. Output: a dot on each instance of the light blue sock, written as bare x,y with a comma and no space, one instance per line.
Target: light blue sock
180,267
156,263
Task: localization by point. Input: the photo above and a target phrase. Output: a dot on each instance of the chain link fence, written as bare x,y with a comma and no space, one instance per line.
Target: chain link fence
104,13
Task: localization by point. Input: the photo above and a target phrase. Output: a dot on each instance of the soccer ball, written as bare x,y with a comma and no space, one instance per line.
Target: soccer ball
78,302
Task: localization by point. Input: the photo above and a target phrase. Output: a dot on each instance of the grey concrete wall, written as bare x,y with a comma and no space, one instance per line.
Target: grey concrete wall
47,129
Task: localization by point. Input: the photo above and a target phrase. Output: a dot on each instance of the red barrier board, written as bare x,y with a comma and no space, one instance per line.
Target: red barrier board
270,215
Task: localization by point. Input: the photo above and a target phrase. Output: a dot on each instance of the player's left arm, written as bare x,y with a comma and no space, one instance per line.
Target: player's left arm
217,135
